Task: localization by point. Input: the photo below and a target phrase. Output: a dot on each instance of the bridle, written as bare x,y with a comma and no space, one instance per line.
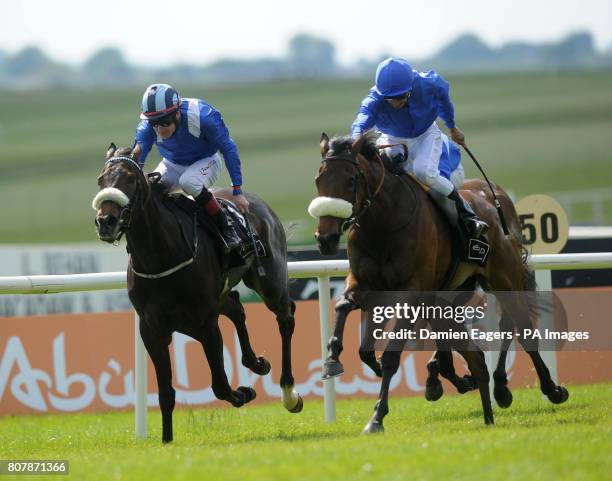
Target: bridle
358,177
125,215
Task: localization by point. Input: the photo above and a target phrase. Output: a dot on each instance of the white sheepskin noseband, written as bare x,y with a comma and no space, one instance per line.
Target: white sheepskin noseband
111,194
331,206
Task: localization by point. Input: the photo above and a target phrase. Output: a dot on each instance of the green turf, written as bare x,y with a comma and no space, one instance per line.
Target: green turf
533,440
533,133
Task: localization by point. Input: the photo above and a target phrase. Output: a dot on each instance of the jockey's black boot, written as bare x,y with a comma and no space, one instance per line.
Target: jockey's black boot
226,228
473,224
208,203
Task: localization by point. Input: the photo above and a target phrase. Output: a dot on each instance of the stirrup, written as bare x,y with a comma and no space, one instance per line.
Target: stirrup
231,242
477,227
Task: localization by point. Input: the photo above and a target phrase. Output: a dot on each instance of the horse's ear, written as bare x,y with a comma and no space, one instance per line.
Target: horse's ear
136,151
324,144
111,150
356,147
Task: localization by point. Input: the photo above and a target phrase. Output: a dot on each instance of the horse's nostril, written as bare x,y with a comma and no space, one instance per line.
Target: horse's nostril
111,221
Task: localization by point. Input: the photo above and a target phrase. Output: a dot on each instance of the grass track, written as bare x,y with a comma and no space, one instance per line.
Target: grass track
533,440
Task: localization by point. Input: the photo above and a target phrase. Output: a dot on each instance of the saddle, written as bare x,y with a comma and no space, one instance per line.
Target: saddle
250,244
464,247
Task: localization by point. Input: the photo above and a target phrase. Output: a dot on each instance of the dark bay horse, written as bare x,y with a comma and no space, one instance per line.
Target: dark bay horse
177,280
400,241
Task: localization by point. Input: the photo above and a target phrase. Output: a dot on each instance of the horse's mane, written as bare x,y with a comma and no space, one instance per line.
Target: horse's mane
369,149
343,144
158,188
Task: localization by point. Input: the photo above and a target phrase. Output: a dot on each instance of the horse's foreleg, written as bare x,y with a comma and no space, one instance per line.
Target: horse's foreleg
212,342
367,354
332,366
390,363
234,310
446,366
157,347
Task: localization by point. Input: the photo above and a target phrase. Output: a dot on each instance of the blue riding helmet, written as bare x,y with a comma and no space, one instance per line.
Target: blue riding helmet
159,100
394,77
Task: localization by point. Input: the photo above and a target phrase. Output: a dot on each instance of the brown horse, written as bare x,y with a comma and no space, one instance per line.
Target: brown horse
400,241
178,281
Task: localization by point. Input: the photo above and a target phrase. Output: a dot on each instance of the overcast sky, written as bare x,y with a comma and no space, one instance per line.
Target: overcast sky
157,32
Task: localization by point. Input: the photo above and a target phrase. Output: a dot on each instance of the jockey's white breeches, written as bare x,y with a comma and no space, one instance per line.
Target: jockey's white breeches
191,178
423,160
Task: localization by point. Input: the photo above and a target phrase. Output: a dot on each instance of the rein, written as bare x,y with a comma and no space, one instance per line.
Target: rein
359,175
125,219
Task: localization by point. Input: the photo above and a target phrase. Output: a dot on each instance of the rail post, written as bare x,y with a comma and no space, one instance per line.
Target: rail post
329,393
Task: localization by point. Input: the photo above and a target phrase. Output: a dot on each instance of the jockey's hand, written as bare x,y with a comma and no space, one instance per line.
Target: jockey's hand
241,202
457,136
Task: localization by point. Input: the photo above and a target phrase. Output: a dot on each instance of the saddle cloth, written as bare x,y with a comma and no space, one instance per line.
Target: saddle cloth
249,238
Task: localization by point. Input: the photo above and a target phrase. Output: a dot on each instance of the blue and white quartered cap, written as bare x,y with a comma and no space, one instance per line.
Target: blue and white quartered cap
158,101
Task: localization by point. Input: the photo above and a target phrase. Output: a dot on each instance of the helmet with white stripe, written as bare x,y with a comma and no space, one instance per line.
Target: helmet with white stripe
159,100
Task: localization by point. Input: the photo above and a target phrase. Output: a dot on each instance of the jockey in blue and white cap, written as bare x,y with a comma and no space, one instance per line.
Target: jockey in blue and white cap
190,134
403,106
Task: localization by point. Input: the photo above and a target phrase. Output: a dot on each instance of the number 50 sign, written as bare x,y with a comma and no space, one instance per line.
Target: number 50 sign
544,224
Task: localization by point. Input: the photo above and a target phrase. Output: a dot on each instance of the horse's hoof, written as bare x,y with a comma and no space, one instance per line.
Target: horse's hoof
248,392
373,427
503,396
434,392
470,383
298,407
331,369
262,367
559,395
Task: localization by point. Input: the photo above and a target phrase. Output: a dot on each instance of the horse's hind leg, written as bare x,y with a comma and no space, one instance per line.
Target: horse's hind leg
518,310
234,310
278,301
478,367
286,324
501,392
157,347
332,366
212,342
555,394
441,363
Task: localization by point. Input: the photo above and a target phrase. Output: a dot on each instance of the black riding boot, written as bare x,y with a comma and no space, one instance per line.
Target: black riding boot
475,226
208,204
226,227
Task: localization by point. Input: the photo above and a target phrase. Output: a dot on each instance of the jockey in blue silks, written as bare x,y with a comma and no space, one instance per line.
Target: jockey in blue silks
403,106
190,134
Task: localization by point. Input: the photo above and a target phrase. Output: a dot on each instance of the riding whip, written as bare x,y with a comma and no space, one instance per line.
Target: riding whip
500,213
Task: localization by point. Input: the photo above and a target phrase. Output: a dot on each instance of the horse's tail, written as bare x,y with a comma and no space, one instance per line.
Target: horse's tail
536,303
